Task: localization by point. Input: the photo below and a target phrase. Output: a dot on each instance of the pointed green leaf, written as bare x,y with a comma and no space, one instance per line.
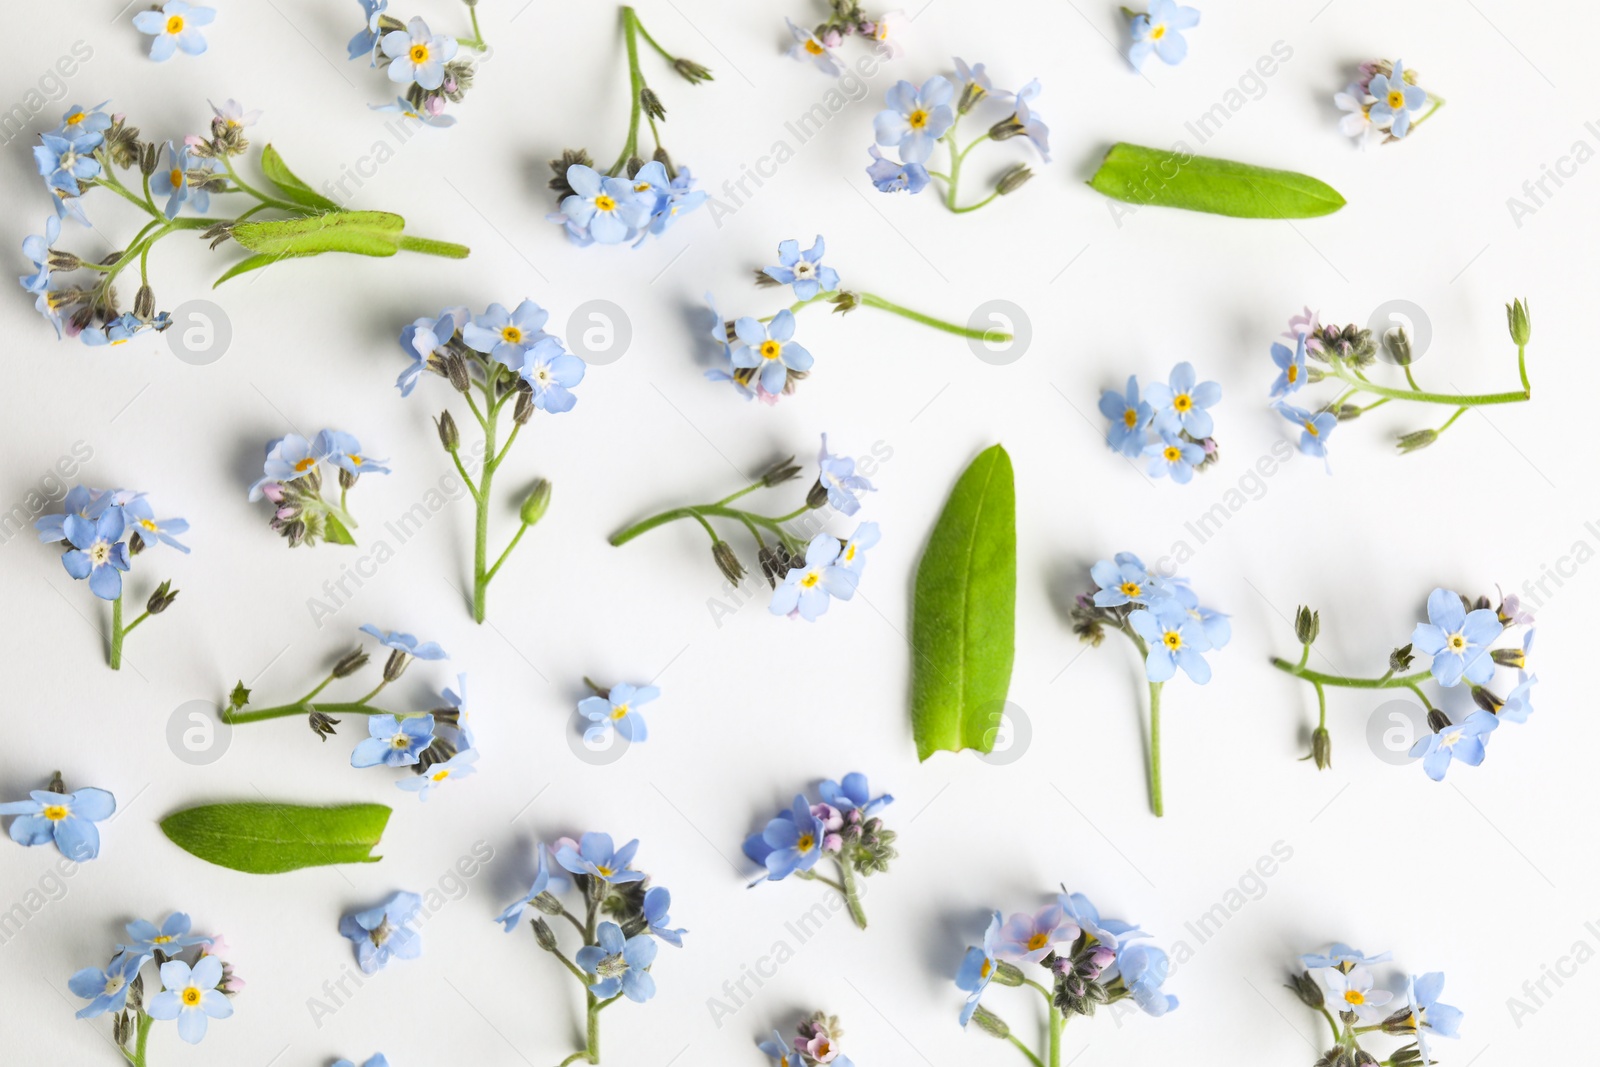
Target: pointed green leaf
964,616
335,532
267,838
249,263
362,233
1165,178
289,184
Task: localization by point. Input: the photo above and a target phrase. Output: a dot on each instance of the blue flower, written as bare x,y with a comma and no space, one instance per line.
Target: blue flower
1143,968
152,530
1428,1016
1174,455
1314,428
170,938
393,742
808,47
1457,640
417,54
892,176
461,765
1130,417
1462,741
80,500
505,336
384,932
620,710
37,249
80,121
106,990
1396,100
456,709
175,26
1174,639
915,118
1033,937
288,457
405,643
1125,580
806,590
1160,31
837,475
769,347
622,965
1341,957
598,857
541,884
190,995
379,1060
1109,932
366,42
1292,365
119,330
173,181
791,842
977,969
668,197
657,902
344,451
1519,702
1180,403
852,794
552,371
424,339
1033,127
63,162
803,270
853,556
425,115
604,209
777,1048
98,552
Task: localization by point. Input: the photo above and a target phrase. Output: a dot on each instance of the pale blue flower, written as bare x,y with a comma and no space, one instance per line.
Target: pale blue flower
106,990
170,938
1314,429
1173,639
1180,402
542,883
893,176
620,711
461,765
63,162
190,995
1291,366
1130,418
384,932
597,856
37,249
604,209
406,643
915,118
393,742
172,180
1161,31
365,43
1175,456
806,590
176,26
803,270
837,476
1396,101
417,54
622,965
657,903
67,819
1457,640
505,336
98,551
1463,741
770,348
344,451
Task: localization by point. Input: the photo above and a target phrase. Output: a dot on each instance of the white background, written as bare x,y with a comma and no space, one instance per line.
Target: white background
1489,876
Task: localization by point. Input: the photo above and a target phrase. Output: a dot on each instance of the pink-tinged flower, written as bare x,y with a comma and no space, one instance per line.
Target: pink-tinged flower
1302,325
1033,937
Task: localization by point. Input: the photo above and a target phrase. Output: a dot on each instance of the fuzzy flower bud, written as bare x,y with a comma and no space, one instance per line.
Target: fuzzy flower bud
536,503
449,436
1517,322
1307,624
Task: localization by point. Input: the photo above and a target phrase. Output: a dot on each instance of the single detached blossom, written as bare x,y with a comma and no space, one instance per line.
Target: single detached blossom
803,270
1174,638
1130,417
1395,101
1160,30
191,996
1180,402
1353,991
893,176
915,118
791,842
461,765
1314,429
1033,937
176,26
806,590
837,476
233,114
393,742
809,48
98,551
622,965
769,348
597,856
384,932
978,967
1291,364
106,990
1458,640
65,818
417,54
406,643
1464,741
620,711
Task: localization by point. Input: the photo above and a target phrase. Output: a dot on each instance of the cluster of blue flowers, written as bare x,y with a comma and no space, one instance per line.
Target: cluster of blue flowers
816,1042
619,950
1169,426
439,746
614,209
66,820
760,357
196,983
842,825
1341,985
102,530
918,118
1161,612
174,27
617,710
460,347
1383,104
425,66
1092,962
1159,31
291,478
831,568
820,45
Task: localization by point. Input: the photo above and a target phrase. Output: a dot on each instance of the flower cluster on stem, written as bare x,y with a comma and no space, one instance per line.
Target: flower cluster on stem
1341,986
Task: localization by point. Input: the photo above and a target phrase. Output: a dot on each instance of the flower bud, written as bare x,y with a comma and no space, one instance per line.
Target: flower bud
1487,700
396,665
1416,440
544,935
322,725
1400,658
818,496
1307,625
1321,748
136,544
844,300
524,409
1509,657
161,599
449,436
780,472
549,903
455,369
1013,179
727,561
1438,721
1006,129
970,95
775,561
144,303
1307,988
64,261
661,156
536,503
347,479
1398,344
691,71
350,662
1007,973
148,159
651,103
1517,322
990,1023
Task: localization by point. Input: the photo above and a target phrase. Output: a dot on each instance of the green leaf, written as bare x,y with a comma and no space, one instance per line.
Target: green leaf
335,532
964,616
266,838
1163,178
247,264
289,184
362,233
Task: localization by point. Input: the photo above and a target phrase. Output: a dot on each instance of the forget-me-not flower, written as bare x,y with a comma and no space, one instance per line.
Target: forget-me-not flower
65,818
98,551
1395,100
1160,30
1353,991
504,336
806,590
541,884
170,938
1463,741
606,209
793,841
597,856
417,54
852,793
619,710
1291,364
657,905
1130,417
1457,640
190,995
461,765
1033,937
622,965
406,643
853,555
106,990
344,451
1180,402
172,181
771,348
176,26
803,270
384,932
915,118
393,742
1314,429
894,176
64,162
1173,639
1175,456
977,969
838,477
365,43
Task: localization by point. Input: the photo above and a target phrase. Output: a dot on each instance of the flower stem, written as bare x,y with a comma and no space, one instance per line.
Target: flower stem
852,893
480,545
305,707
1155,749
117,634
1025,1050
1387,681
1058,1023
141,1039
476,41
872,300
696,511
630,32
1339,371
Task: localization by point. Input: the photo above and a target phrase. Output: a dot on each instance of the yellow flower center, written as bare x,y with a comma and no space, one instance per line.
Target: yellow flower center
1130,418
192,996
811,579
400,741
604,203
620,711
988,965
1456,642
1396,99
161,939
1354,997
149,524
99,553
355,460
175,24
1182,402
511,335
1173,640
918,119
1158,31
1131,589
175,176
1311,428
641,187
1293,373
301,466
771,349
419,53
55,812
814,47
439,776
849,552
1038,941
74,119
1172,453
604,871
806,843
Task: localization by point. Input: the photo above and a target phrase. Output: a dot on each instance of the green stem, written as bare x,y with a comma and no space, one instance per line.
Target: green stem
476,41
852,894
630,31
304,707
480,549
695,511
1387,681
1025,1050
140,1041
666,55
1058,1023
493,570
250,190
1338,370
872,300
117,633
1155,749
